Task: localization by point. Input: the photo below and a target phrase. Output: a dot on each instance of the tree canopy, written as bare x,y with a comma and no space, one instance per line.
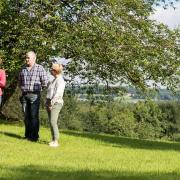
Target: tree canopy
107,40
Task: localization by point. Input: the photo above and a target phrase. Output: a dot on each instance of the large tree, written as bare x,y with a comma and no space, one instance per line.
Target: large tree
108,40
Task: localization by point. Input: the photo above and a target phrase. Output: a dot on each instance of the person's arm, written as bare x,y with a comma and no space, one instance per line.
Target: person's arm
58,92
2,79
43,78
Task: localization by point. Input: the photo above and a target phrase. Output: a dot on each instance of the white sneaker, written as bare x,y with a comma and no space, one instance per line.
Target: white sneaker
53,144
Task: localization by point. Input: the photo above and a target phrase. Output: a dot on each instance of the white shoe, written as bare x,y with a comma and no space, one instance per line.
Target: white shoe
53,144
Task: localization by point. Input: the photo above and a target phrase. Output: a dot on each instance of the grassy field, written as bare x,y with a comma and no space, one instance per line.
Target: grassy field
85,156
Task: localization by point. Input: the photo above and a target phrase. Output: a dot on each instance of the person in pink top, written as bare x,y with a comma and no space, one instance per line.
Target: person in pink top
2,80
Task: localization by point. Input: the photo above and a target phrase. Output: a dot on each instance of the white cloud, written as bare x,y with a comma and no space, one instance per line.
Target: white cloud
168,16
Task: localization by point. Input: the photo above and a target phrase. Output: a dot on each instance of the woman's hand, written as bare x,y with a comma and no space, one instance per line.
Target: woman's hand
48,105
49,108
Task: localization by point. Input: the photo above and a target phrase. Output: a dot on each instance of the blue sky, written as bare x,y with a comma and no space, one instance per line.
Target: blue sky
169,16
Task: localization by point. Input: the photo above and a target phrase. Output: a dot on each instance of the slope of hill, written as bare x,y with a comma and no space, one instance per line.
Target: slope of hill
85,156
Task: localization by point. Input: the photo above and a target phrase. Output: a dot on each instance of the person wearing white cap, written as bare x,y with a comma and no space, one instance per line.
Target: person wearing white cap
54,101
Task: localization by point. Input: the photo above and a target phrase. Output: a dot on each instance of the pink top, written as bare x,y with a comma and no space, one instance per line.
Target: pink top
2,80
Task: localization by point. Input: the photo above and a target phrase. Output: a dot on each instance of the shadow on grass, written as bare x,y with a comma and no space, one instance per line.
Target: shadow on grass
37,172
11,135
108,139
128,142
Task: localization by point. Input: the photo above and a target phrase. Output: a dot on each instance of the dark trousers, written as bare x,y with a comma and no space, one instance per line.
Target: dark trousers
30,106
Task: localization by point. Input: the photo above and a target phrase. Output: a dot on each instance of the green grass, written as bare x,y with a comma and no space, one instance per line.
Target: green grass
85,156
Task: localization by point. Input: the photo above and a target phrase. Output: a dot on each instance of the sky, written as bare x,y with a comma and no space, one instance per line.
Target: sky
168,16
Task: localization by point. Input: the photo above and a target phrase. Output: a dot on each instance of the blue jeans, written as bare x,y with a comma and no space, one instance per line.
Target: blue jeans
30,106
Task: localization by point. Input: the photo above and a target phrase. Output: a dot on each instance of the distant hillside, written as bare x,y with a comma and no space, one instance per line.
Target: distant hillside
101,92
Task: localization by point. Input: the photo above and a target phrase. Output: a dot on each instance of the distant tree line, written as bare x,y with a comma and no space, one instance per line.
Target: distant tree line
111,92
145,119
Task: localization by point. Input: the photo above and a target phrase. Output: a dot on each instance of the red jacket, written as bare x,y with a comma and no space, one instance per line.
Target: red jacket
2,80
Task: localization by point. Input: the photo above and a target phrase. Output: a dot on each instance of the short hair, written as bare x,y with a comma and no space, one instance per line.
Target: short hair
33,53
58,68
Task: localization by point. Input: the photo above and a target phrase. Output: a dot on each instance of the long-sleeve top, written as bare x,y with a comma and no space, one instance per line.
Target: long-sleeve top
2,80
34,79
55,90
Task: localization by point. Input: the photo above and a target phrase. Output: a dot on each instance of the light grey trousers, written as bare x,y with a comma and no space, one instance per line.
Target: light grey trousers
53,119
